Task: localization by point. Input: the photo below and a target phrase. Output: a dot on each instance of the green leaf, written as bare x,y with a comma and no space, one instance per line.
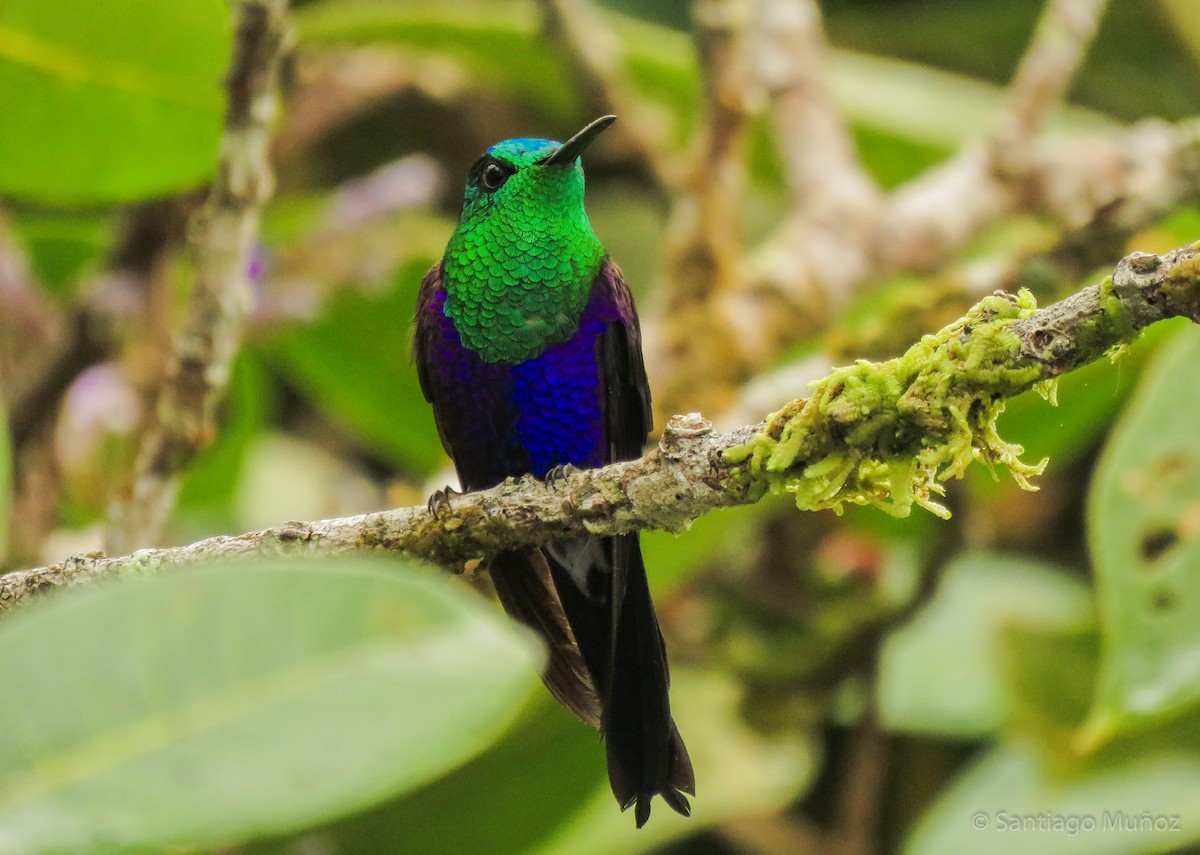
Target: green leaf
63,245
672,558
207,707
476,34
109,102
518,791
1144,533
891,159
921,104
543,790
941,673
1013,800
1050,678
1184,24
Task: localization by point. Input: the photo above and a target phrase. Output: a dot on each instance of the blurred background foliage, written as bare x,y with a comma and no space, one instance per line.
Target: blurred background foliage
853,684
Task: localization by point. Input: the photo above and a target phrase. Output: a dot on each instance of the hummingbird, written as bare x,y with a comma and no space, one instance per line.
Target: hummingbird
527,344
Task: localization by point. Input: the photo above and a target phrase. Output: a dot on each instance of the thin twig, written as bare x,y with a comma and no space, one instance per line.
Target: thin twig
222,235
1053,58
691,472
835,204
856,830
1127,180
991,179
593,57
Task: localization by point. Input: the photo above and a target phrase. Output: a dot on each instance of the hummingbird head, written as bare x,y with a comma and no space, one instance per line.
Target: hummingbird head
519,267
529,177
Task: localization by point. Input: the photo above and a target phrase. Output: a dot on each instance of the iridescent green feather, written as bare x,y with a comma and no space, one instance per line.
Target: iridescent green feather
519,266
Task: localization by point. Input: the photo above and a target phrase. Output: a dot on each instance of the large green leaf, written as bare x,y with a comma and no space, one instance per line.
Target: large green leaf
518,791
1013,801
941,673
543,789
212,706
109,102
1144,532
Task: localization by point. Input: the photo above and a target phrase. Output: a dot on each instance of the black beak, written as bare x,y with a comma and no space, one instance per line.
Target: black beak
574,147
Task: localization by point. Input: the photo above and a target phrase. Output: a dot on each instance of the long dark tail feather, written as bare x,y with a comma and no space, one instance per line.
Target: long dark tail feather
646,755
523,584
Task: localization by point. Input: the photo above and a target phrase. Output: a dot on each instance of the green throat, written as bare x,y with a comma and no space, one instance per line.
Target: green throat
519,267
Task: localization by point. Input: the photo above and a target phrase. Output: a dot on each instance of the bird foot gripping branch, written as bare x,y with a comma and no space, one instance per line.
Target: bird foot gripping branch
887,433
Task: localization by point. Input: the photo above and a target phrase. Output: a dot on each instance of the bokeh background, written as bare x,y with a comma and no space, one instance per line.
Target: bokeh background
847,684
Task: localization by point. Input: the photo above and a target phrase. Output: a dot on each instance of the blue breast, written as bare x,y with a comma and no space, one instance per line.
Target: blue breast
499,419
558,403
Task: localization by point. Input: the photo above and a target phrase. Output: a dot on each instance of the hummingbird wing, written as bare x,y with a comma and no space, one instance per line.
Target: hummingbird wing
425,327
602,585
426,331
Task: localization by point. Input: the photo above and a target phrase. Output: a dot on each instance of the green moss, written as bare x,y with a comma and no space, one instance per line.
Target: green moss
1185,276
1114,320
886,434
144,562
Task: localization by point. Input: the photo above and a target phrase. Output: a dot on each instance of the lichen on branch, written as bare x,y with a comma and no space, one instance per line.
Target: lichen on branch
887,433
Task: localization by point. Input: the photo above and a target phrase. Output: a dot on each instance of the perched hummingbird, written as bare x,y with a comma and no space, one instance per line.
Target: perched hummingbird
528,347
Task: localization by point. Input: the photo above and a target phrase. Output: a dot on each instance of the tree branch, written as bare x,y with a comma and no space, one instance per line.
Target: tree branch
790,288
834,200
222,234
887,430
1127,179
695,340
989,180
1054,56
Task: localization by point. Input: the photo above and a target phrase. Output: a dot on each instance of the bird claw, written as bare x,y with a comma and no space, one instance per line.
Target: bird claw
440,501
559,474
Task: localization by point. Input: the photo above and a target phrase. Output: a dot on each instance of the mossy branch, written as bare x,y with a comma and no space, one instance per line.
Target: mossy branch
885,434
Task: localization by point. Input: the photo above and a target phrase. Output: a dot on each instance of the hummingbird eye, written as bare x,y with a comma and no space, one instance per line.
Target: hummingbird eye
493,176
